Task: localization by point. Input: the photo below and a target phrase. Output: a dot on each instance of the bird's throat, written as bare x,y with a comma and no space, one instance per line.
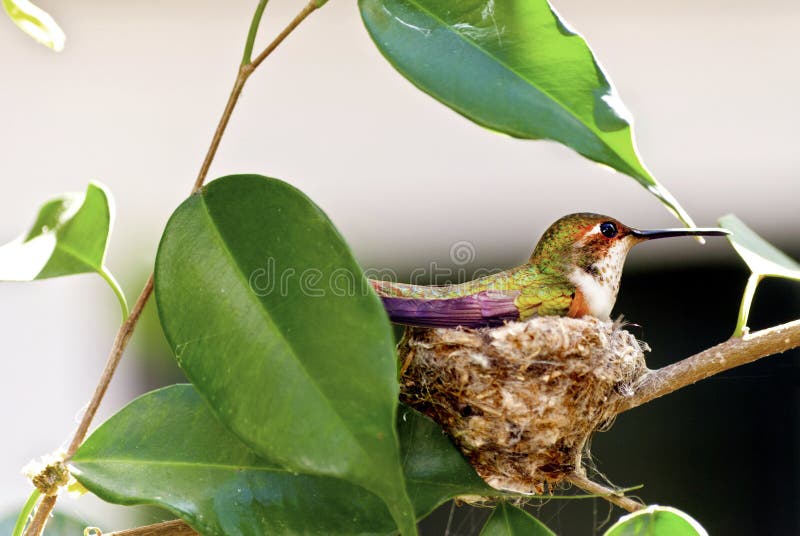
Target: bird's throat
599,282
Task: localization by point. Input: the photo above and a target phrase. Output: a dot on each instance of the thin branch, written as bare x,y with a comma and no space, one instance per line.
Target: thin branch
309,8
125,331
245,70
727,355
617,497
39,520
120,343
175,527
233,98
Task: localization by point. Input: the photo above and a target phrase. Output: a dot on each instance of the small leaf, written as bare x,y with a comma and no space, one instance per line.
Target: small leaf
69,236
763,259
507,520
35,22
512,66
656,521
272,320
761,256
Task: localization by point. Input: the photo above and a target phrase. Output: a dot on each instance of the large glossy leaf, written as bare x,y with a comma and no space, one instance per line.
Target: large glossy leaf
272,320
513,66
167,448
656,521
507,520
35,22
763,259
70,236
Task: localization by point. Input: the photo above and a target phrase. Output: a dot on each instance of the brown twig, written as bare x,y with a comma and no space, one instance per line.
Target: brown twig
124,333
727,355
176,527
233,98
245,70
309,8
120,343
626,503
45,507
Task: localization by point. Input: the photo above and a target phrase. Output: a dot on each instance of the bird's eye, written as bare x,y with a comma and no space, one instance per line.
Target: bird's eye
608,229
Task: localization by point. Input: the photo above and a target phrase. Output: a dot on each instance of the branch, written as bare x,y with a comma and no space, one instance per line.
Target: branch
309,8
125,331
245,70
176,527
120,343
727,355
617,497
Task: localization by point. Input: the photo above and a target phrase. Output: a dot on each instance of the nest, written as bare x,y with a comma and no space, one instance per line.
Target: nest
521,401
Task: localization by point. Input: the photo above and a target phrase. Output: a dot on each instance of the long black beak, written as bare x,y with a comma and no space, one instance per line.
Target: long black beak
649,234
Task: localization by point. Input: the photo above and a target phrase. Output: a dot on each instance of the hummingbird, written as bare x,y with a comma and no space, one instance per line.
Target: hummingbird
574,270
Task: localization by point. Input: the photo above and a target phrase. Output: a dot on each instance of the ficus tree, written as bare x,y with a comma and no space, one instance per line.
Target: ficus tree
272,426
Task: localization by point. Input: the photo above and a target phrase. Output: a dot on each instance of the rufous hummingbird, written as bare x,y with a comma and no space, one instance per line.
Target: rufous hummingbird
574,271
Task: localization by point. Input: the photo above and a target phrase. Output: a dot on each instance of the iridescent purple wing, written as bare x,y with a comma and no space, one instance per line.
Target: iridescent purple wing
488,308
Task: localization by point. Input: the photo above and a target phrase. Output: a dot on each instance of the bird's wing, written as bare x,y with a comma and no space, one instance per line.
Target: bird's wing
548,300
487,308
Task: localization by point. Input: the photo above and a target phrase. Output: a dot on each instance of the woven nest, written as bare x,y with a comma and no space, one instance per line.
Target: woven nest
522,400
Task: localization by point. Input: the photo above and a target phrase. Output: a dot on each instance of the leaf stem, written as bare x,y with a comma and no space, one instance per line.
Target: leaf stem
747,302
251,35
125,331
114,284
22,520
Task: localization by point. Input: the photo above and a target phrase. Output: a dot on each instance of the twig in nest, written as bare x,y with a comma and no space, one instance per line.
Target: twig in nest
580,480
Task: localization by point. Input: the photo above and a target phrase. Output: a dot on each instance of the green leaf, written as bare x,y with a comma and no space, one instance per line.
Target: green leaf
272,320
763,259
516,67
507,520
656,521
58,525
166,448
35,22
761,256
69,236
435,471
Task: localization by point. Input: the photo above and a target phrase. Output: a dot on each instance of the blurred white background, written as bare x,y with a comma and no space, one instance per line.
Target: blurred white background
134,98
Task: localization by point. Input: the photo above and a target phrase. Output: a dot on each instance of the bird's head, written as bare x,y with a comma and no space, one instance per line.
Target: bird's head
590,250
